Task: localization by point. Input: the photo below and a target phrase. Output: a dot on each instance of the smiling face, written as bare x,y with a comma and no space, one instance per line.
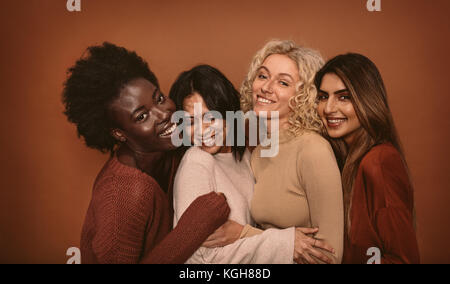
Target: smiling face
336,109
142,115
274,85
209,130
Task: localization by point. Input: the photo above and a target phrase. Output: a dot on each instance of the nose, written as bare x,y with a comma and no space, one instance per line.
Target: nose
168,105
330,106
267,87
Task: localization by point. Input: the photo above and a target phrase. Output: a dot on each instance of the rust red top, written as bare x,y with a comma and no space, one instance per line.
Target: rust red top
129,220
382,210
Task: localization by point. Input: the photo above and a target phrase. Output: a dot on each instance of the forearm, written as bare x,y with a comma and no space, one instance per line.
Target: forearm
178,245
270,247
201,219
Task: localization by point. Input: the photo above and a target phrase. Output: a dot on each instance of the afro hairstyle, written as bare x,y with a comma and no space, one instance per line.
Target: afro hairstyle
93,83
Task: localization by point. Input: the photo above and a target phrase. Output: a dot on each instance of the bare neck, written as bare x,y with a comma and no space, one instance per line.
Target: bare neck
155,164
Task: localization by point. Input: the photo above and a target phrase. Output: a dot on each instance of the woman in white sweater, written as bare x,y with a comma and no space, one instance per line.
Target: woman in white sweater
211,165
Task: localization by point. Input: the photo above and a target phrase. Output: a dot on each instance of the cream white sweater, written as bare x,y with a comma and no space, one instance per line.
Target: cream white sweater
200,173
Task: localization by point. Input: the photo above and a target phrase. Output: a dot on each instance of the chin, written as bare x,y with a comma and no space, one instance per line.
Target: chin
334,134
168,146
259,109
211,150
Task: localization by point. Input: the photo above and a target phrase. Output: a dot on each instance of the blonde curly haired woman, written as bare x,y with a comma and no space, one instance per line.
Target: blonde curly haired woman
301,185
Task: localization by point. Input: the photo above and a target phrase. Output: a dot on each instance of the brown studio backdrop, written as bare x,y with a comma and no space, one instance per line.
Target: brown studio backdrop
47,173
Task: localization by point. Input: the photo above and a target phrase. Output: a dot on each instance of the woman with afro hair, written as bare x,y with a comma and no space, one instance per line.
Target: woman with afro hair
115,102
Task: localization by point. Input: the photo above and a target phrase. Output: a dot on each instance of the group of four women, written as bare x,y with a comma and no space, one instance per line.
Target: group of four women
337,188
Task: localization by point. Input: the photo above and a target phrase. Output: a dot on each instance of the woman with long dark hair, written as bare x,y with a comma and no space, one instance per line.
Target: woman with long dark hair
378,194
215,165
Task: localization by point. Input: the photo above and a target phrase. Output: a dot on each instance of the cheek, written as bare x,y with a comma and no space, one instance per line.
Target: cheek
141,131
192,134
255,87
349,112
286,95
284,98
224,134
353,121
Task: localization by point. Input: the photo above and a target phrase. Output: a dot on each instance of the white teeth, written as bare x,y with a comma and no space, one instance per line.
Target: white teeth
169,131
336,120
209,141
265,101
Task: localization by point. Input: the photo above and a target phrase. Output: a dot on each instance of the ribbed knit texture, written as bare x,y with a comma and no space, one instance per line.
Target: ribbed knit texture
129,220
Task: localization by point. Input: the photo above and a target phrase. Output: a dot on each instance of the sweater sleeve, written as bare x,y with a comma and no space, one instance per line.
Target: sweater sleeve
122,220
192,181
321,179
249,231
201,219
393,221
271,246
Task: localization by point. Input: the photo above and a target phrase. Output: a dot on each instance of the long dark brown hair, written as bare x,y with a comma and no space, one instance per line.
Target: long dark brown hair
369,99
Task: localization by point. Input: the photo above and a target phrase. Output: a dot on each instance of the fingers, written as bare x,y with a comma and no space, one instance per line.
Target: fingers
315,242
299,260
212,237
320,255
308,259
218,234
222,195
308,231
215,239
308,241
323,245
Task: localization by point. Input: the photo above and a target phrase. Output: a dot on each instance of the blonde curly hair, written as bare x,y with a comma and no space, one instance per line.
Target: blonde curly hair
303,104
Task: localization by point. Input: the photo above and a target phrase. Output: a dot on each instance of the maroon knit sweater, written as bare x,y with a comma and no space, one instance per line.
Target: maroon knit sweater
129,220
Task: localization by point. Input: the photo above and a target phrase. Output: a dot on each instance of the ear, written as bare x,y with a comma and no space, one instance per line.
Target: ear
118,135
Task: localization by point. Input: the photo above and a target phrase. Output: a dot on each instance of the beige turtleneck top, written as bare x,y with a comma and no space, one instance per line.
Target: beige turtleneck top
299,187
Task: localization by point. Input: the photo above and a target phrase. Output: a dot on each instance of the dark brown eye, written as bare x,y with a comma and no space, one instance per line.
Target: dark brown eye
161,98
322,97
141,117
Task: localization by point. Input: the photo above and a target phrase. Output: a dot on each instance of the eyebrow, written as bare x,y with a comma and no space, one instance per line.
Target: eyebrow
341,91
336,93
281,74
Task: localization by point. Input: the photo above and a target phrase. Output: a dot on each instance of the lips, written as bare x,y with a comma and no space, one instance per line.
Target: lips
334,122
168,130
209,141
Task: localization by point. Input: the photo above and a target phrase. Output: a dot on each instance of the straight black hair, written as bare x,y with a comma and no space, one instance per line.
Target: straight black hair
216,90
